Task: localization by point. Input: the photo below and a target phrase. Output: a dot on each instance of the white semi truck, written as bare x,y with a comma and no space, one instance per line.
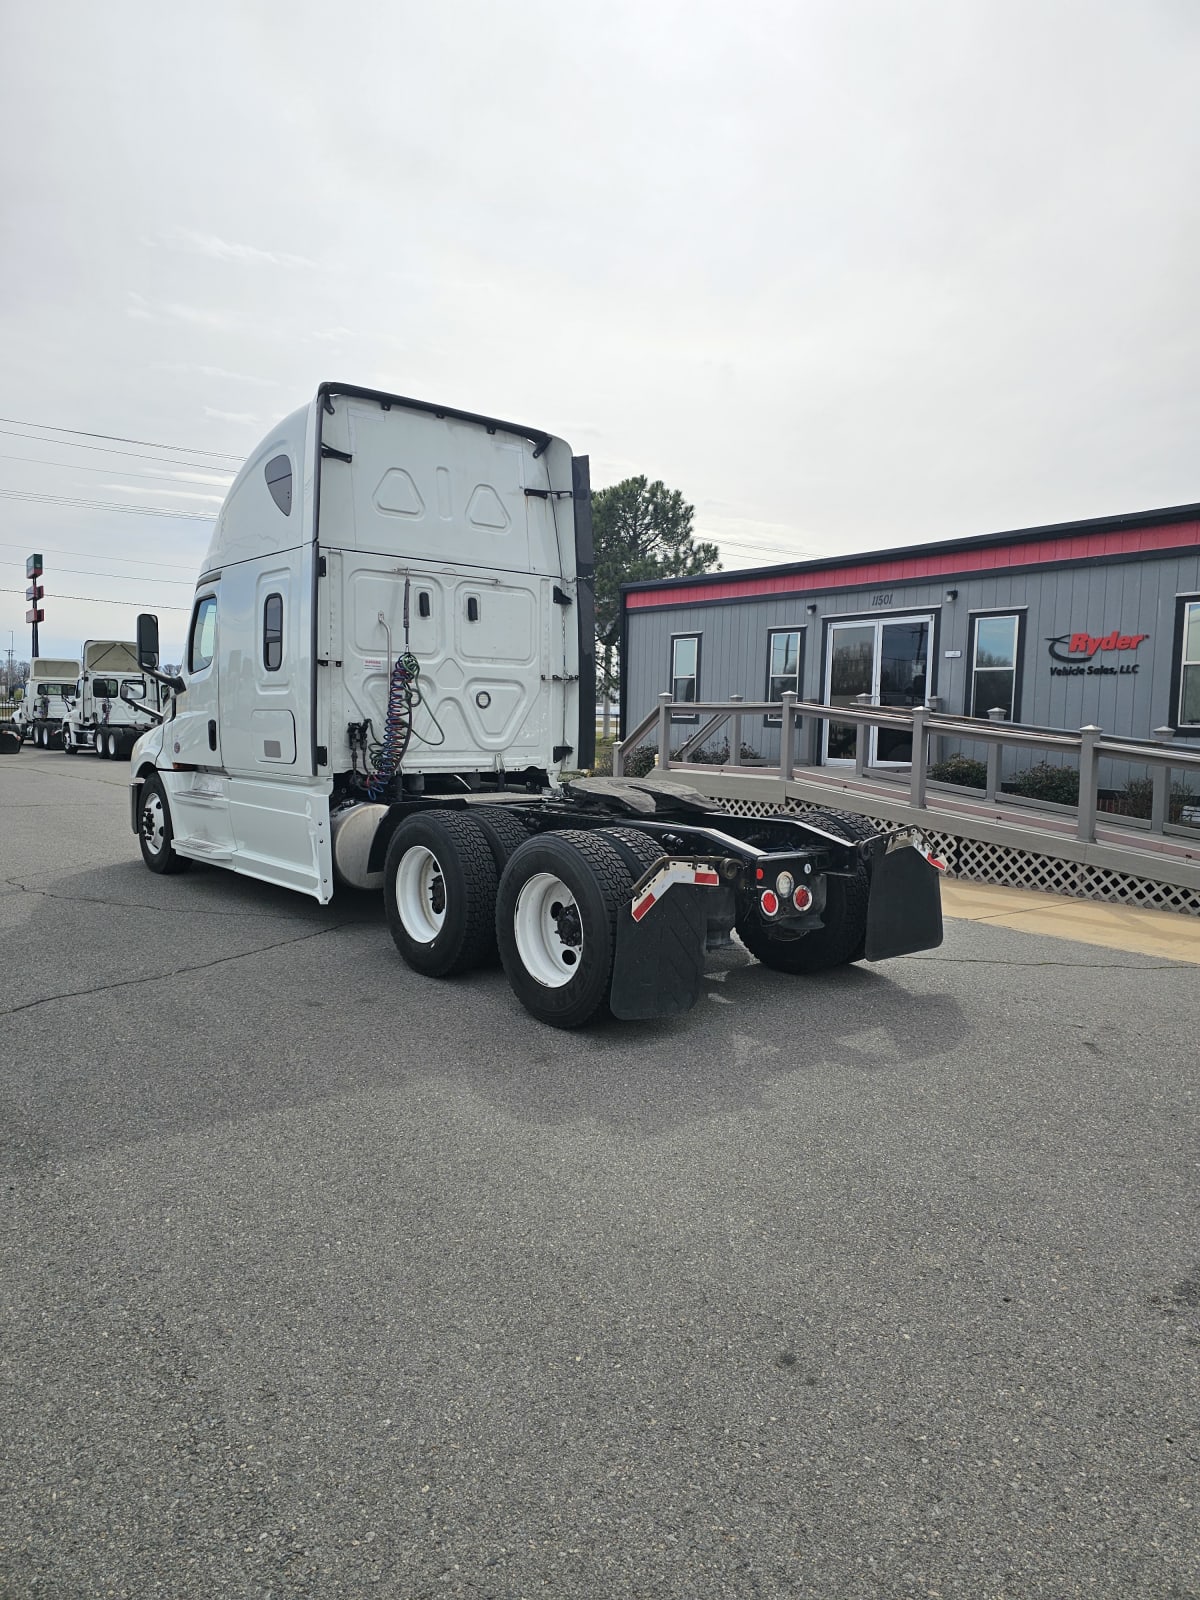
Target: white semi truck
113,702
43,709
389,677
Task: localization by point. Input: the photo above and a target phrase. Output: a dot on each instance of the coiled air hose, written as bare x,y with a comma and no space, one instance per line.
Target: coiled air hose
403,693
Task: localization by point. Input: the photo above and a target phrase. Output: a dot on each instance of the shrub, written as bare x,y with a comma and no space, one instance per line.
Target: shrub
716,754
1134,800
1060,785
960,770
640,762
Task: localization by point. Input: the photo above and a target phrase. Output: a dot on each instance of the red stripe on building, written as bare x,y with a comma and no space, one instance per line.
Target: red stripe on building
940,564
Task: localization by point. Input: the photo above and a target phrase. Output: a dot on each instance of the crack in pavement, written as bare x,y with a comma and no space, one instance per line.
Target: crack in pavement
174,972
17,887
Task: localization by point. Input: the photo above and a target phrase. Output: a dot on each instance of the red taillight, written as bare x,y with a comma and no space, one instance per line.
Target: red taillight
802,898
759,874
769,903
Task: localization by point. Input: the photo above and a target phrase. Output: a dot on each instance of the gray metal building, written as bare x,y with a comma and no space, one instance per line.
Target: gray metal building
1094,622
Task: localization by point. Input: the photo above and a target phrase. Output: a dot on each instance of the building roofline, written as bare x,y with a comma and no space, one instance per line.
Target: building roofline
943,547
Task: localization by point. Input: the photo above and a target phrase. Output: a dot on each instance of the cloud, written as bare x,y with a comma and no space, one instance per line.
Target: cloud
144,310
231,416
332,335
215,372
216,249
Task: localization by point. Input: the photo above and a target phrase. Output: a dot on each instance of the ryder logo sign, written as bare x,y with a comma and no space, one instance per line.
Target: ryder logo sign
1078,653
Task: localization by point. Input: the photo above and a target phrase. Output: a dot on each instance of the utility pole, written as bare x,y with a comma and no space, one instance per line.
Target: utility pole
35,592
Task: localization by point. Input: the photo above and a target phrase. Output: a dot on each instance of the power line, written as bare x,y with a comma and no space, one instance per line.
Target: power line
92,600
106,450
53,427
90,555
150,477
79,572
104,505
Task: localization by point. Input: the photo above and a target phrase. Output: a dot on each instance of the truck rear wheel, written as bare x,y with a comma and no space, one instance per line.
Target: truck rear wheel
556,923
841,939
99,745
439,892
155,833
504,832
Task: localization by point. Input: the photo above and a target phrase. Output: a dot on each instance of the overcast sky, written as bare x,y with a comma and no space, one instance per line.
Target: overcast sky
847,275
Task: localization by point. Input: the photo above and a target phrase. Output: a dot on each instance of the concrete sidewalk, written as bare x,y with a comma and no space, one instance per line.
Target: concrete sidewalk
1167,934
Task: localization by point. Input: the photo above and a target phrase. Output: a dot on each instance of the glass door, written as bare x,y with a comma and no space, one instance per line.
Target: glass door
850,672
890,662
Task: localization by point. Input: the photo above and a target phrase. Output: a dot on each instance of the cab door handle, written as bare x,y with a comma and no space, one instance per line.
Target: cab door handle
212,733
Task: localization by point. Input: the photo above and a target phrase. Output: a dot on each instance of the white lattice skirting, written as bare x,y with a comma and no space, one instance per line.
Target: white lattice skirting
979,862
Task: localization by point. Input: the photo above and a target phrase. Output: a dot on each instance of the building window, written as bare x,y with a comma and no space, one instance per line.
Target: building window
202,645
685,671
278,473
995,645
273,632
783,664
1189,664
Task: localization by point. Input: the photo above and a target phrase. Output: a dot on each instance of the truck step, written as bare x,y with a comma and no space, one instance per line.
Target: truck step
203,850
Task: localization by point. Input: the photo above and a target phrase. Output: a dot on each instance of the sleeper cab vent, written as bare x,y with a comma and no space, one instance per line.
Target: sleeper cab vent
278,473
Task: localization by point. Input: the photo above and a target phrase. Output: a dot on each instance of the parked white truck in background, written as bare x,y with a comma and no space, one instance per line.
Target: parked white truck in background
113,703
44,706
390,668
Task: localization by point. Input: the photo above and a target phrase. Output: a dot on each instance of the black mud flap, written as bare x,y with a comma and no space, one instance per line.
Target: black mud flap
658,967
10,742
904,912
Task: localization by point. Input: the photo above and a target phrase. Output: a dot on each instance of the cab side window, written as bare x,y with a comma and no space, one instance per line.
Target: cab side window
273,632
202,643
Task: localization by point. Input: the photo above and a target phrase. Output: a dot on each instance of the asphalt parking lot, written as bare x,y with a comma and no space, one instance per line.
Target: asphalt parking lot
322,1279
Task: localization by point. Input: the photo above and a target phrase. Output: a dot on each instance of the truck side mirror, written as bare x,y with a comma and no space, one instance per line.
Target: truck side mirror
147,642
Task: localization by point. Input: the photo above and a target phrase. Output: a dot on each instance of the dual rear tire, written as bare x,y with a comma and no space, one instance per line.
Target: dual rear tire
461,887
842,938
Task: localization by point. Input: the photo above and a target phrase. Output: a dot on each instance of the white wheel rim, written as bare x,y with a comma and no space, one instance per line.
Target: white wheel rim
153,824
112,745
420,894
547,931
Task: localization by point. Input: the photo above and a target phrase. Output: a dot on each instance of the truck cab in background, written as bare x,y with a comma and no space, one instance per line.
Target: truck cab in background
43,710
113,702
